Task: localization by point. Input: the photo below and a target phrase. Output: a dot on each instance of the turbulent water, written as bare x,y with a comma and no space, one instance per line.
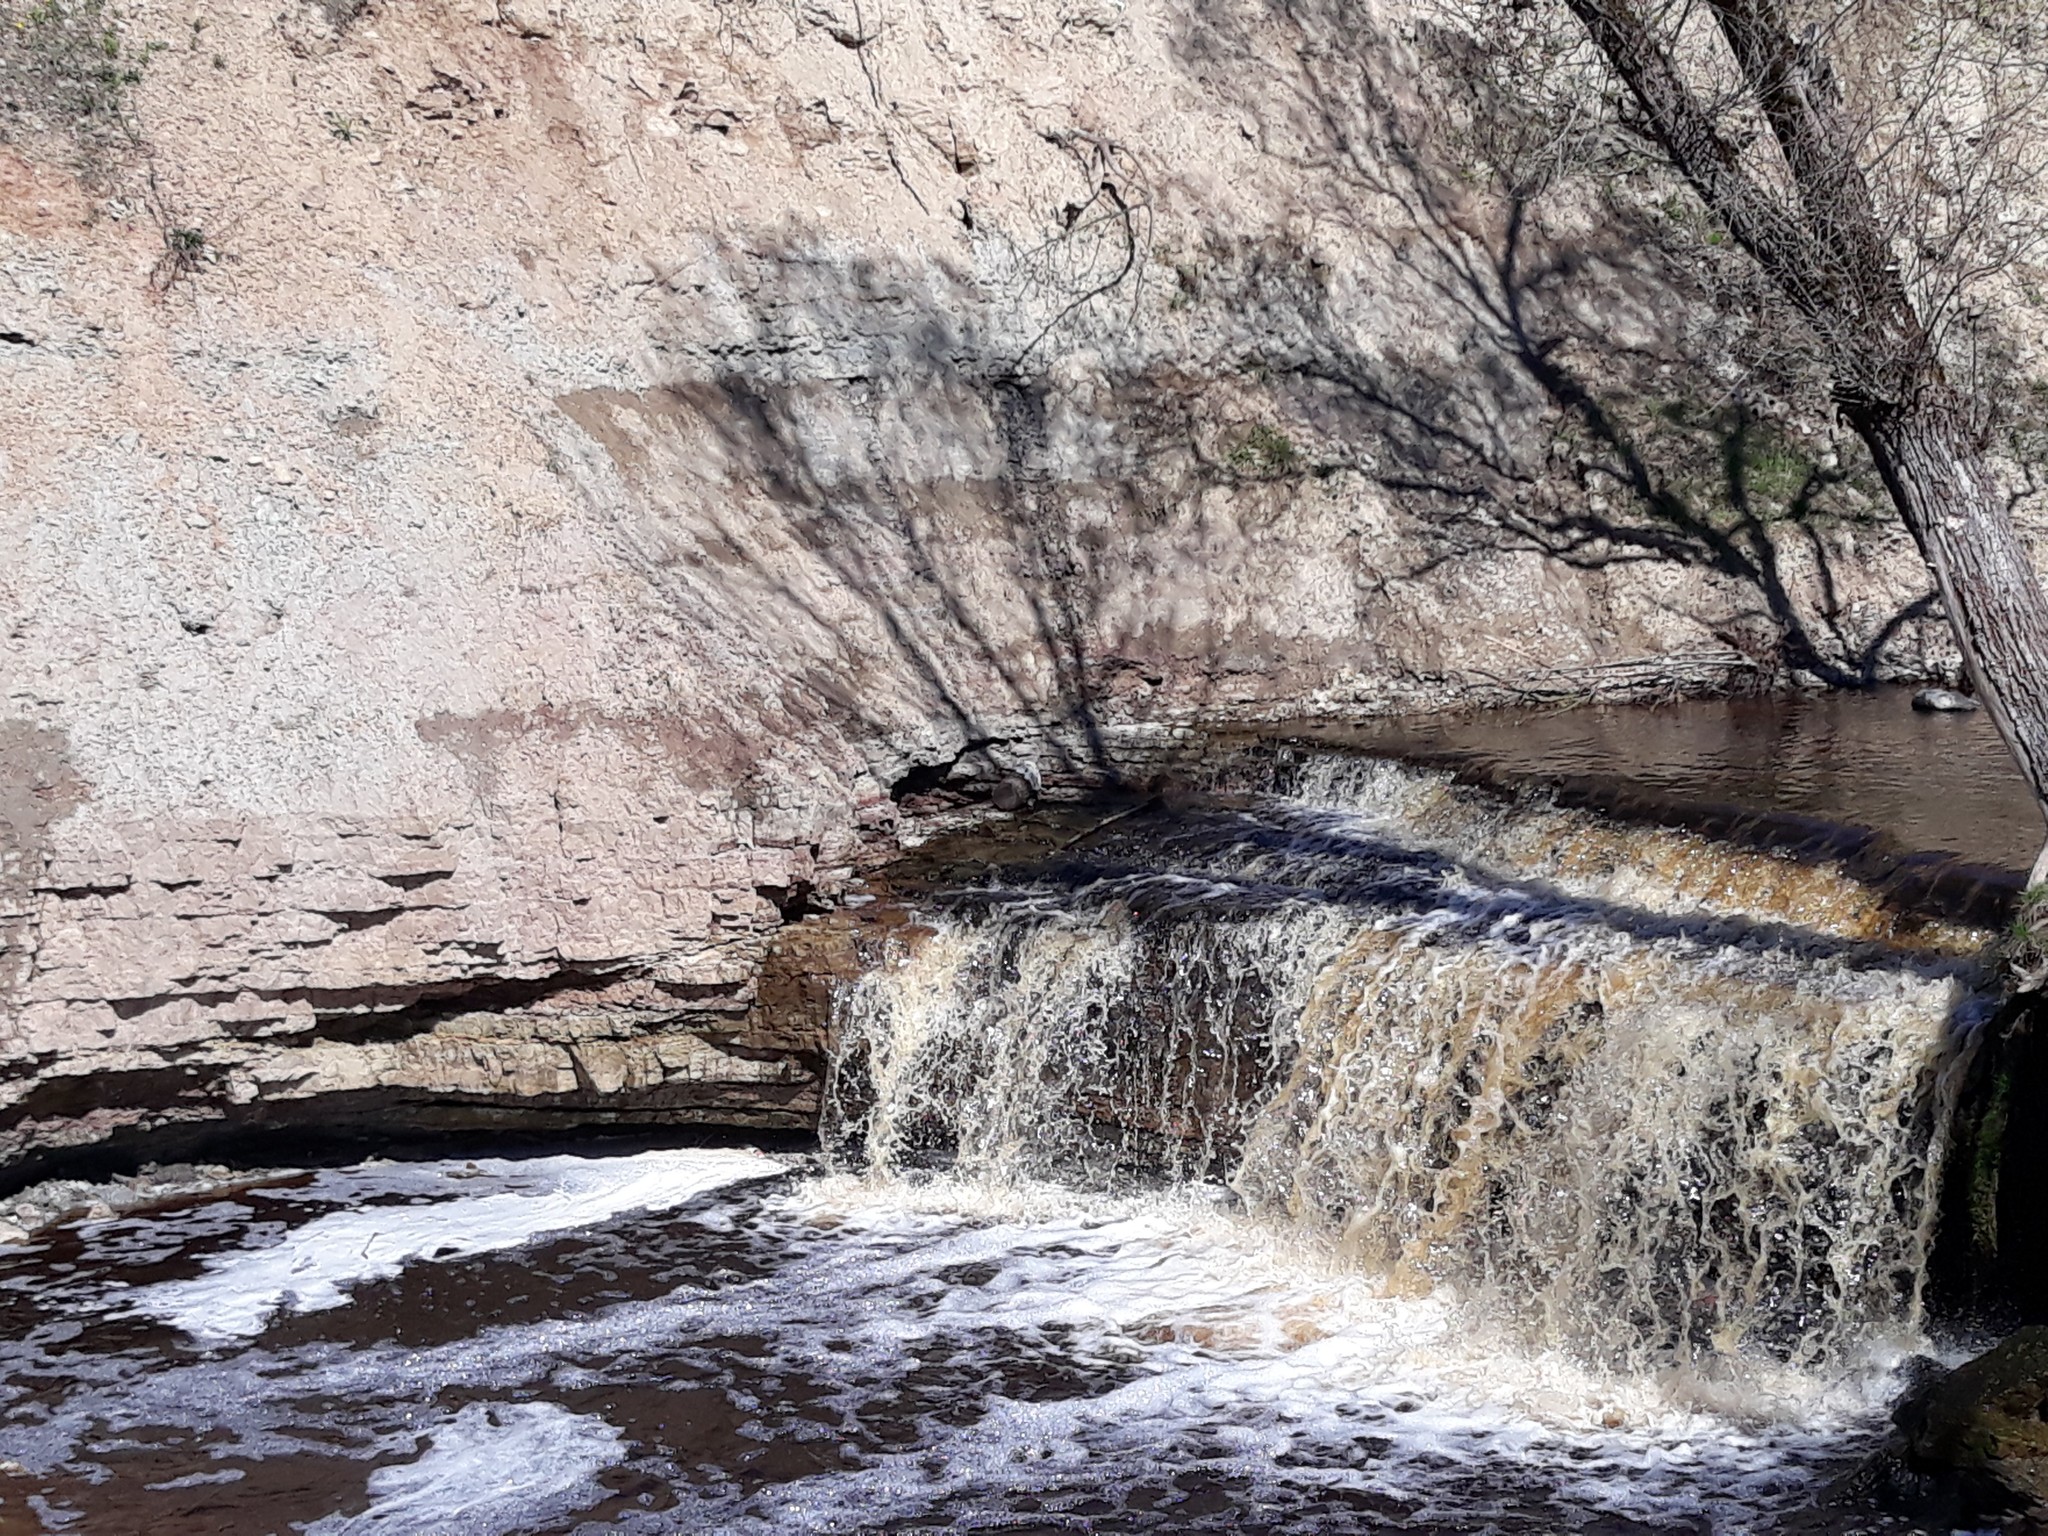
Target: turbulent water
1672,1111
1370,1155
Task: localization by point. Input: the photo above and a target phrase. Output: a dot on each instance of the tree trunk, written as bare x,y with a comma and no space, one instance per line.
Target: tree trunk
1939,481
1827,248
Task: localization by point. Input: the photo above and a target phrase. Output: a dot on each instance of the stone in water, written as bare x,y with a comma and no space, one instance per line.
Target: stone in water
1943,701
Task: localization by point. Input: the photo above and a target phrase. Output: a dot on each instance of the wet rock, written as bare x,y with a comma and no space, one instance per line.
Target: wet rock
1943,701
57,1200
1012,792
1976,1438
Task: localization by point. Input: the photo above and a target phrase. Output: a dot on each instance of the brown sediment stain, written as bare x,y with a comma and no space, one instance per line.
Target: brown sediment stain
687,428
39,199
38,785
616,420
694,754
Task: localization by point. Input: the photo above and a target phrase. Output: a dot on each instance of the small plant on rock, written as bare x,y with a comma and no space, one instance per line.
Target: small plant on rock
1264,453
68,71
2025,950
185,246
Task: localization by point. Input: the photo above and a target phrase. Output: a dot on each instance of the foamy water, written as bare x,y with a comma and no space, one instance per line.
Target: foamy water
831,1355
492,1467
454,1211
1291,1172
1674,1146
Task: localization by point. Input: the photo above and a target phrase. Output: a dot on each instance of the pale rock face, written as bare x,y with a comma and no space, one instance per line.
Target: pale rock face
619,442
529,18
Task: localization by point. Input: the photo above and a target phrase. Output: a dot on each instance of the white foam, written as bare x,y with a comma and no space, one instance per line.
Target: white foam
1204,1340
1180,1270
494,1467
199,1480
464,1209
1238,1333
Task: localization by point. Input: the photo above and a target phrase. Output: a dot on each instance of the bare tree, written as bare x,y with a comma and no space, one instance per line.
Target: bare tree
1878,161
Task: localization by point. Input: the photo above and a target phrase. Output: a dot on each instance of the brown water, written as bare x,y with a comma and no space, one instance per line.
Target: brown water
1932,782
780,1357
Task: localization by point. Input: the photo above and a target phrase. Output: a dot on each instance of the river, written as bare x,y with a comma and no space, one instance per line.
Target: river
1360,1151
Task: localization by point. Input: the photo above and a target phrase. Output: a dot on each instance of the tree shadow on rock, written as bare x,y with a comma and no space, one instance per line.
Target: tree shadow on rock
1568,410
851,480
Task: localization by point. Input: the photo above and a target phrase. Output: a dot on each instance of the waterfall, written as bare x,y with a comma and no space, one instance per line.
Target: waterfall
1658,1103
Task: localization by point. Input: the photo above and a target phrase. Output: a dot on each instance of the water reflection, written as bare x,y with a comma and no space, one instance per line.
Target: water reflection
1933,782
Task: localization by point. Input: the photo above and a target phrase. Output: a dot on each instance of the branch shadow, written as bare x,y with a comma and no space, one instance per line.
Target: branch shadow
884,493
1550,422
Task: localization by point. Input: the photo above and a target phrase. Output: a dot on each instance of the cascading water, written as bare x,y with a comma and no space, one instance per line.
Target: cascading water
1673,1110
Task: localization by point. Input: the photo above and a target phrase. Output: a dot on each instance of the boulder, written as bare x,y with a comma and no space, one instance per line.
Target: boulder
1980,1431
1012,792
1943,701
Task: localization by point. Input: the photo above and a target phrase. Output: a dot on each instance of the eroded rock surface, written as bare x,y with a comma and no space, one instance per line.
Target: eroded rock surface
42,1205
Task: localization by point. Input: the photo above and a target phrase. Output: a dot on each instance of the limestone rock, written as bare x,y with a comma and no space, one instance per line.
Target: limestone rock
611,474
55,1200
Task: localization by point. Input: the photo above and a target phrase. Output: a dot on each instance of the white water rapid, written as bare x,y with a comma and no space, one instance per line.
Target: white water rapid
1618,1097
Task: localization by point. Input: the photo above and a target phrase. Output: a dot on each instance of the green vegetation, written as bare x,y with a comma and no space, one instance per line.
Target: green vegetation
1773,469
185,251
1987,1151
2025,950
1265,454
1685,214
1735,466
67,71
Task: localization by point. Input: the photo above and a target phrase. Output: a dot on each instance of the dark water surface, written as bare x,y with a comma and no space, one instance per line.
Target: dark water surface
762,1354
1933,782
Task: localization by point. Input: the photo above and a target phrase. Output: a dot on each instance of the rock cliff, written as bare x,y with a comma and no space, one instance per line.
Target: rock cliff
506,504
